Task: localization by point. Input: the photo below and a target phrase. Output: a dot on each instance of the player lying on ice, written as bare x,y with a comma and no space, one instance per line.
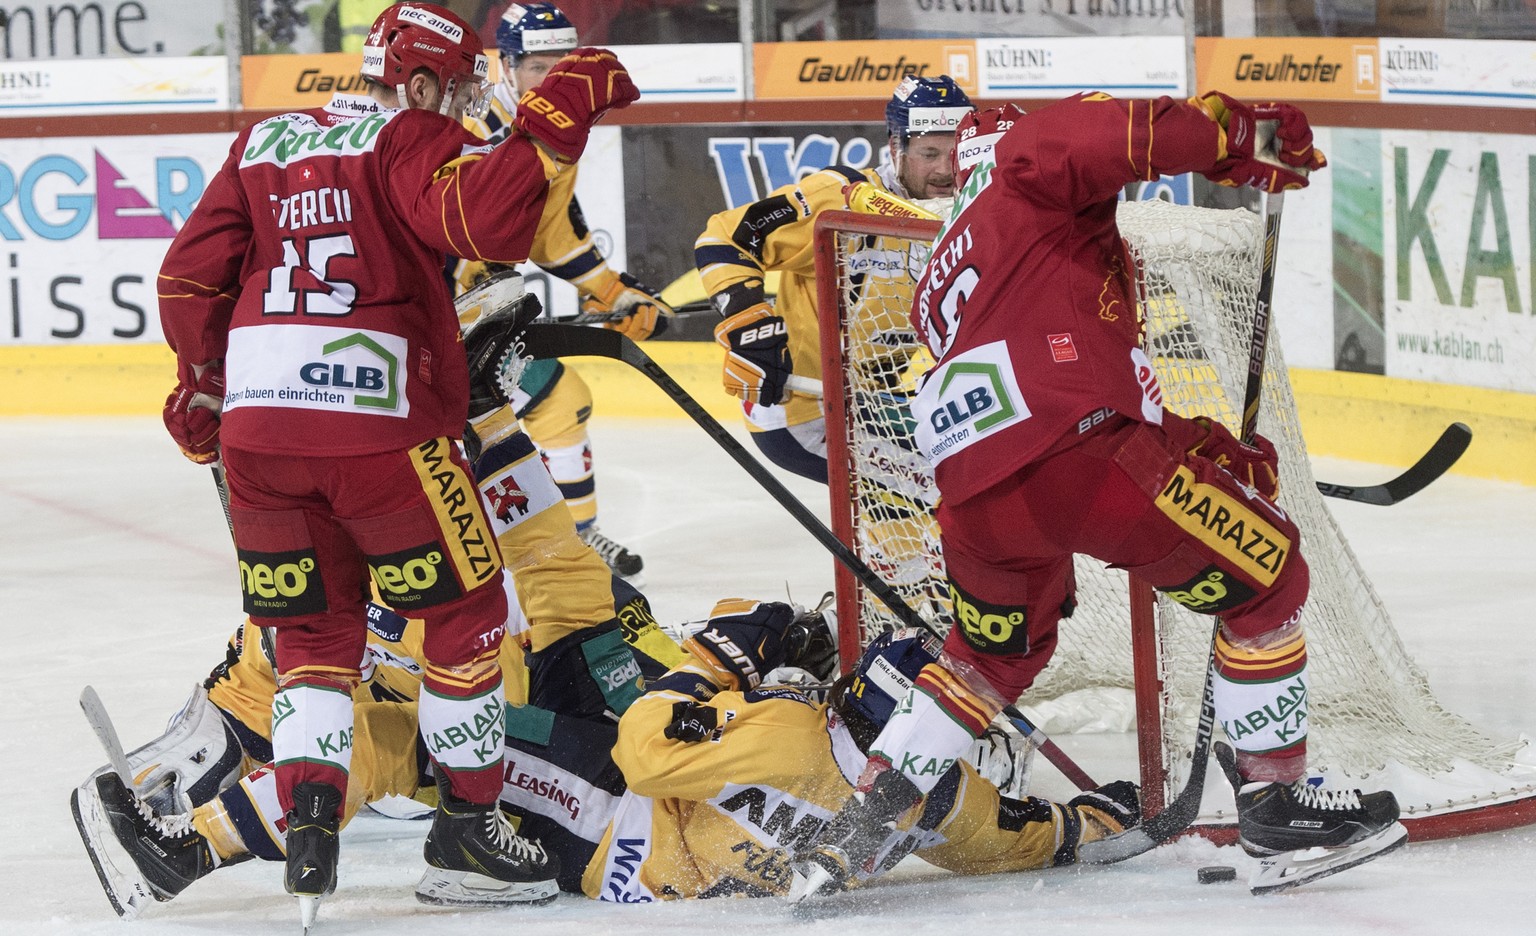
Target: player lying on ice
1064,447
610,804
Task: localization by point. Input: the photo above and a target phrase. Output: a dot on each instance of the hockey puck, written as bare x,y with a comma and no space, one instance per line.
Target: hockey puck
1216,874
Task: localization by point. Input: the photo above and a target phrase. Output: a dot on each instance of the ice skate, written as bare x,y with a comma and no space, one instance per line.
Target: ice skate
1303,832
313,846
137,853
476,859
625,564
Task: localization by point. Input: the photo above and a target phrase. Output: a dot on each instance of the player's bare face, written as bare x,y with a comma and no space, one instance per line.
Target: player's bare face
531,70
927,168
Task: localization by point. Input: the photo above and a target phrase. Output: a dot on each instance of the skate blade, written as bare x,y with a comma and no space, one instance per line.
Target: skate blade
1293,869
125,887
309,909
440,888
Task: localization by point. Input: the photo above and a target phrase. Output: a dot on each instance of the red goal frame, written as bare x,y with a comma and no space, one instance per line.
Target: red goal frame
831,313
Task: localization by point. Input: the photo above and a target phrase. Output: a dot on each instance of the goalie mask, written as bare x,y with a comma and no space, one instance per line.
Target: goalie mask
886,671
411,36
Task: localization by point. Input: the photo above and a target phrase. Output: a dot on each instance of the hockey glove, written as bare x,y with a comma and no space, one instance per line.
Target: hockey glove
757,362
1112,808
1254,465
191,412
743,640
692,722
1252,157
578,90
632,308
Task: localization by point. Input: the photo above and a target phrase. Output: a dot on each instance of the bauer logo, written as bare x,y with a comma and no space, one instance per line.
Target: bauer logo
280,584
966,399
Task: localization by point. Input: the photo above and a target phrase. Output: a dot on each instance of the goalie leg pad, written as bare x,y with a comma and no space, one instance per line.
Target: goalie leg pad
197,758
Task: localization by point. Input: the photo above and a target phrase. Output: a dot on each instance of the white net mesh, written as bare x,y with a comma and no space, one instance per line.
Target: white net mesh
1374,721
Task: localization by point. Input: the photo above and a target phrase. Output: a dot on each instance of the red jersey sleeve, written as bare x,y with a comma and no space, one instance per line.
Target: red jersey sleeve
1084,149
199,278
480,203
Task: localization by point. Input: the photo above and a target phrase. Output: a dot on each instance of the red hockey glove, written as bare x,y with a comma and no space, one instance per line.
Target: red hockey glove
757,363
1253,465
192,411
1269,146
634,309
577,91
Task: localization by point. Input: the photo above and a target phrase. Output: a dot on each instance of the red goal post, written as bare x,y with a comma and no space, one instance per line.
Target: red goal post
1375,723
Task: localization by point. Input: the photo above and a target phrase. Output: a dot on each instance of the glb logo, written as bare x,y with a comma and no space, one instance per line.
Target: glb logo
318,374
976,400
373,384
989,395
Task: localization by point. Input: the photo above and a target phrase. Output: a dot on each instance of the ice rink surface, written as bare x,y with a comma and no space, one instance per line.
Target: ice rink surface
116,571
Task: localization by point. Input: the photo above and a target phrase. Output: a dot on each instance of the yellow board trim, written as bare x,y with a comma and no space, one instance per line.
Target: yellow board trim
1363,417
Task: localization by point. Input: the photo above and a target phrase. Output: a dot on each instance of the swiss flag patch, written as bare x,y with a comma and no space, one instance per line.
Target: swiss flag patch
1062,349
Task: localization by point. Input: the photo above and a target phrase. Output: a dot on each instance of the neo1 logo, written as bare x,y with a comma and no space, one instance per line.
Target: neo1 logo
951,414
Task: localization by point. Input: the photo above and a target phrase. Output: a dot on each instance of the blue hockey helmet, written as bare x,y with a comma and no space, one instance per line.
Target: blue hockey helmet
886,671
534,27
925,105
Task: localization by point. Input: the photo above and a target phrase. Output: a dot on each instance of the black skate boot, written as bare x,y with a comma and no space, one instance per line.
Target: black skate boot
165,850
1278,822
477,859
623,563
313,847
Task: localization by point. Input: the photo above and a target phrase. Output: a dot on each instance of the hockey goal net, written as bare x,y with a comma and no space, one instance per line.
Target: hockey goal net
1374,723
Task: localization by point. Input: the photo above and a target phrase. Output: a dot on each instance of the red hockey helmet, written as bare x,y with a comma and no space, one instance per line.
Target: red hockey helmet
408,36
976,136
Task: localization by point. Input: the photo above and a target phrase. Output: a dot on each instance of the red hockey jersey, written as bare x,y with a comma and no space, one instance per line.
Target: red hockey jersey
1027,303
313,267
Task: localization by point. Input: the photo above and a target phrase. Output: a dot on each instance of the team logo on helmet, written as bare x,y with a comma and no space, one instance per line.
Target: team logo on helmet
926,105
886,671
535,27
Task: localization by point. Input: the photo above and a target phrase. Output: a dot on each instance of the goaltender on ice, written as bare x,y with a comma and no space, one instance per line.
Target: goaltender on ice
715,777
1045,426
319,355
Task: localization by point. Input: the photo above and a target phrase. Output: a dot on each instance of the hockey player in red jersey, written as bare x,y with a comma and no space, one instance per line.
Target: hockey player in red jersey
305,292
1045,427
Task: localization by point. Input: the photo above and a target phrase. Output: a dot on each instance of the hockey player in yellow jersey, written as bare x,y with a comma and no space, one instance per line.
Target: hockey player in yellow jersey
715,779
766,343
552,400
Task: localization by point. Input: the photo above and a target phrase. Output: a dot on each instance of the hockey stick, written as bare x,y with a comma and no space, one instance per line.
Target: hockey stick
106,733
543,340
1186,806
1421,474
222,483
